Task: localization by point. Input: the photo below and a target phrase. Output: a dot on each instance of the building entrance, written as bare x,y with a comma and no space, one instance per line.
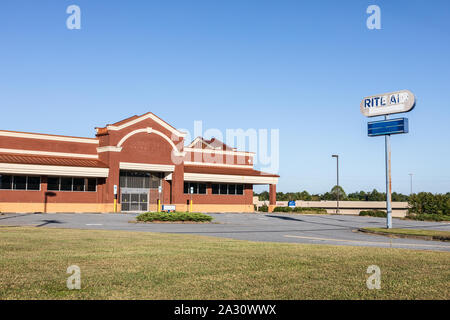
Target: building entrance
137,189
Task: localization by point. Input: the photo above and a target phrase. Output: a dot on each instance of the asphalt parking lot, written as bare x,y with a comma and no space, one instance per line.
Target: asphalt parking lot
312,229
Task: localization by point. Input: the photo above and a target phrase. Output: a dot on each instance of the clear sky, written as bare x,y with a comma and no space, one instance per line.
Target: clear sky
298,66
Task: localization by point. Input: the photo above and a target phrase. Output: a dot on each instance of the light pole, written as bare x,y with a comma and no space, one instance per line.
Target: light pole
337,178
411,183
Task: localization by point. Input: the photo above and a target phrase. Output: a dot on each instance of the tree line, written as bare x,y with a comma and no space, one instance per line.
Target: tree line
373,195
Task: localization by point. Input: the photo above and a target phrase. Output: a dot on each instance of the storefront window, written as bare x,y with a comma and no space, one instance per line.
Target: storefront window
223,189
78,184
198,188
8,182
71,184
66,184
92,184
34,183
53,184
20,183
5,182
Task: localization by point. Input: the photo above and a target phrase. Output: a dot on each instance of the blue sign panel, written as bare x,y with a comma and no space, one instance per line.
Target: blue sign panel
384,127
291,204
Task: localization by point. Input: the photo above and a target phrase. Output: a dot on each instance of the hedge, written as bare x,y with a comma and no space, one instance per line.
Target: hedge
282,209
428,217
175,216
300,210
373,213
310,210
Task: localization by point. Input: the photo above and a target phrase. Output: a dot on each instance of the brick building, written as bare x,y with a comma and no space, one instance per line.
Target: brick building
142,157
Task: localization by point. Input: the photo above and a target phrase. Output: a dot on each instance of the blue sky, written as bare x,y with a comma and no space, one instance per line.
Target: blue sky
298,66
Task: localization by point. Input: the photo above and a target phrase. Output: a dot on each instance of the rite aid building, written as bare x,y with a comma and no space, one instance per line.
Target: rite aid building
142,158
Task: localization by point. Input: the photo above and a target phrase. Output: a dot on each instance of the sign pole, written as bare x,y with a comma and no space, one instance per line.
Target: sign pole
387,140
115,198
337,178
386,104
159,198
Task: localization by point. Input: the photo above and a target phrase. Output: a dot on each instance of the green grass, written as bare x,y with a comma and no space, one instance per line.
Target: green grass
173,217
436,234
143,265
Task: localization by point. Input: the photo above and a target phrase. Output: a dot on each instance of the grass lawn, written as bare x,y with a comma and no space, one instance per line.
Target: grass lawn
413,232
142,265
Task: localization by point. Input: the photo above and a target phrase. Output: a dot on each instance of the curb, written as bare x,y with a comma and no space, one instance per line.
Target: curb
408,236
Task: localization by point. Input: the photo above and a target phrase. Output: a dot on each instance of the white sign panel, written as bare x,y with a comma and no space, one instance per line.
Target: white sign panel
168,207
388,103
115,189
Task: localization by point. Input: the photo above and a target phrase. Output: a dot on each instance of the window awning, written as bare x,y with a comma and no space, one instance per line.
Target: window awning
55,166
227,175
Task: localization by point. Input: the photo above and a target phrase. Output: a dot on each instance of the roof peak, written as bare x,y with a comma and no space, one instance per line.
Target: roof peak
213,143
135,119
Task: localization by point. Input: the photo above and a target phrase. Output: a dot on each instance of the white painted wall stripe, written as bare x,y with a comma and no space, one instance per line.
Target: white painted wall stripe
220,165
109,149
147,167
46,137
229,178
48,153
34,169
231,153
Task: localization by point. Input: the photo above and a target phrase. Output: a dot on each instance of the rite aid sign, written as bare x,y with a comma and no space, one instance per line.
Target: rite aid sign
388,103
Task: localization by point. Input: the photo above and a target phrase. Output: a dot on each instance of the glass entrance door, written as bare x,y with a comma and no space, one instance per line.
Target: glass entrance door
134,201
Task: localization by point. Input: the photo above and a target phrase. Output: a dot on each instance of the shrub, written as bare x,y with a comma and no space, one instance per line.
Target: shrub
310,210
428,203
428,217
175,216
263,208
282,209
300,210
373,213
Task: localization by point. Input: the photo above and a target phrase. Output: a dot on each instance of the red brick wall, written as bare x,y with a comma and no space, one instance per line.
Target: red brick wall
47,145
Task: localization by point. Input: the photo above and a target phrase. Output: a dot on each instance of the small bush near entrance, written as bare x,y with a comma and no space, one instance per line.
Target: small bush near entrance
310,210
175,216
373,213
263,208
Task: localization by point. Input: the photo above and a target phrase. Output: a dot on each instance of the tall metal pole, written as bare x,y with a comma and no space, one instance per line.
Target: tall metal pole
337,181
388,178
411,183
337,178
